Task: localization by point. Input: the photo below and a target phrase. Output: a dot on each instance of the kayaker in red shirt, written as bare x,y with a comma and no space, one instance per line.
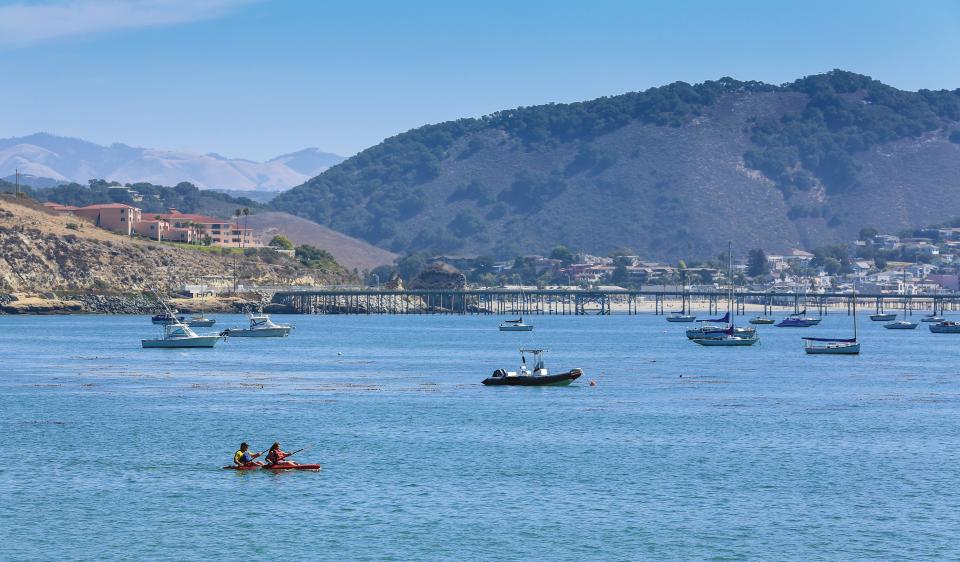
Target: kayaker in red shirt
276,456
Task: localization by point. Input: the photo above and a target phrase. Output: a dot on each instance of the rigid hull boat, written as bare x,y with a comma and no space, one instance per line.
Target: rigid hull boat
945,327
538,376
260,327
932,318
179,335
761,320
515,326
679,316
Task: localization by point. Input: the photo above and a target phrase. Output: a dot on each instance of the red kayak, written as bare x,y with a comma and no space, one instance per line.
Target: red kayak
277,467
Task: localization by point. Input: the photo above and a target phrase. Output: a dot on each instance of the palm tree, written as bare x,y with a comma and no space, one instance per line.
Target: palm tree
246,213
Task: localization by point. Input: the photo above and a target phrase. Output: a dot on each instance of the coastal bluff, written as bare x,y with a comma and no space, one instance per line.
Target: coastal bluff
52,264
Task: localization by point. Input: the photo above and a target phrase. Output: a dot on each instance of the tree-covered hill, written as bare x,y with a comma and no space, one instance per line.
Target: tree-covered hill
675,170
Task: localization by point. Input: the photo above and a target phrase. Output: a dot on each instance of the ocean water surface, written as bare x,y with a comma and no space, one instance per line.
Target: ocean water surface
678,452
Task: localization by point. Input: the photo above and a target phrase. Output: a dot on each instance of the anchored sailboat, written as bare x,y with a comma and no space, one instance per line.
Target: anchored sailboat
729,337
835,346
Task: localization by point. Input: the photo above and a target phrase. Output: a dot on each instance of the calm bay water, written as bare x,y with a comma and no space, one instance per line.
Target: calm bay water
678,452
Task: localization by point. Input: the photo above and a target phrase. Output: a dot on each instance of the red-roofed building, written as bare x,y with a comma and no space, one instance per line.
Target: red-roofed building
60,209
221,232
111,216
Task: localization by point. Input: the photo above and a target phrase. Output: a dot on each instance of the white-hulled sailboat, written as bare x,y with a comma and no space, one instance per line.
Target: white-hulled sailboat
835,346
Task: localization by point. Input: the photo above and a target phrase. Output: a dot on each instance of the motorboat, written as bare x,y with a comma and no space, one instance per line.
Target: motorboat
178,335
831,346
537,376
761,320
901,325
166,318
883,317
798,320
515,326
260,327
200,321
945,327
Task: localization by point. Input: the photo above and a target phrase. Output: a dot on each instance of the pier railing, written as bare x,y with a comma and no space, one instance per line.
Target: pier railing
586,301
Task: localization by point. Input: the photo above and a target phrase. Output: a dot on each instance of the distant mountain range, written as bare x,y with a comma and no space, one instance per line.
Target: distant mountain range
671,172
46,159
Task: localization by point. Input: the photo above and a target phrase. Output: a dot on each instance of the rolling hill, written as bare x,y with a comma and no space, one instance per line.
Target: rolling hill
53,159
670,172
349,252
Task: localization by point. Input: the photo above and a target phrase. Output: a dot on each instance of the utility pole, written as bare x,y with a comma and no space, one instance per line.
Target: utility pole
16,174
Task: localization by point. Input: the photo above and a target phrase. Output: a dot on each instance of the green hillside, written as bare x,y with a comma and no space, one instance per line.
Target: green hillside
675,170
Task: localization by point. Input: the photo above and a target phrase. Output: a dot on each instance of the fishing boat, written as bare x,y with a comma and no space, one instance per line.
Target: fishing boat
945,327
260,327
883,317
178,335
538,376
798,320
835,346
729,337
166,318
761,320
515,326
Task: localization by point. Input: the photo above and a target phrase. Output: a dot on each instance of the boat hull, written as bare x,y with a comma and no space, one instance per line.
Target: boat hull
562,379
932,319
761,321
797,323
277,468
845,349
180,343
264,333
681,318
940,329
898,326
165,321
201,323
883,317
726,342
526,328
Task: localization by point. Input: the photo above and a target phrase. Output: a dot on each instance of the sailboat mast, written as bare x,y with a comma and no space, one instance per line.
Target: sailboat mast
730,280
854,310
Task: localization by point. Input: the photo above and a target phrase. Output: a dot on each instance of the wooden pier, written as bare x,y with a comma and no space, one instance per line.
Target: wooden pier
580,302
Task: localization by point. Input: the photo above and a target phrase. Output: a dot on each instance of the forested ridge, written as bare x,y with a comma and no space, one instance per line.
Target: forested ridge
473,185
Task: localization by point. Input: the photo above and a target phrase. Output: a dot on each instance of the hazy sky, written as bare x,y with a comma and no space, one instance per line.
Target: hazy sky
254,79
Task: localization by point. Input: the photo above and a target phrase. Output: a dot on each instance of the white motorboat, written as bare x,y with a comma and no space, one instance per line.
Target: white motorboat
178,335
260,327
515,326
945,327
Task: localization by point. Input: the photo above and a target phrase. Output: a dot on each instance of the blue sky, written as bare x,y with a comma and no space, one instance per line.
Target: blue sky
254,79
